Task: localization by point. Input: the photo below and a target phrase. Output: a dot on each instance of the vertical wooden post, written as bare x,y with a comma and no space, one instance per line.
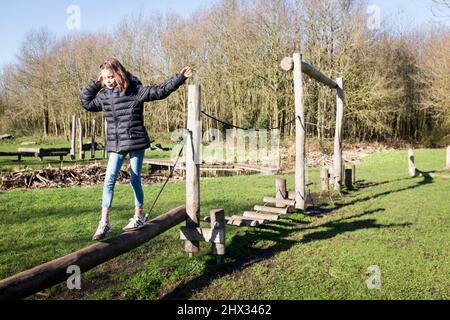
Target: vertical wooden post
299,134
411,166
353,167
80,138
448,157
348,179
73,137
105,154
193,166
94,129
324,179
337,157
280,191
218,223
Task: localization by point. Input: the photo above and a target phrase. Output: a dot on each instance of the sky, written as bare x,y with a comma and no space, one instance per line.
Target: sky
18,17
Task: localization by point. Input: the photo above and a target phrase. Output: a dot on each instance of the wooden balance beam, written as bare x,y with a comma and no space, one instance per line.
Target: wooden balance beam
28,282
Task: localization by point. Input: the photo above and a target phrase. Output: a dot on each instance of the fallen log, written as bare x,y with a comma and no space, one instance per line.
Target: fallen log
28,282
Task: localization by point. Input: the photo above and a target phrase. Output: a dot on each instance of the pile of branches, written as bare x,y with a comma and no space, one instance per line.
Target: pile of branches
65,177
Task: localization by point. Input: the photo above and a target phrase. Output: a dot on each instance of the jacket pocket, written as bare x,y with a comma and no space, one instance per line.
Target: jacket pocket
137,132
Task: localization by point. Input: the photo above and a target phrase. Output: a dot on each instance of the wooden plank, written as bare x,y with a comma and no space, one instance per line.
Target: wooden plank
28,282
242,223
264,216
193,165
29,150
202,234
283,202
271,209
236,217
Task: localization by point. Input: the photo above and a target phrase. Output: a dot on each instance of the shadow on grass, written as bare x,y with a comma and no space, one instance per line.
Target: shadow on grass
242,253
427,179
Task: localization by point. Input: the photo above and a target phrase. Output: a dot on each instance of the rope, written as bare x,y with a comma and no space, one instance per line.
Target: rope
168,177
233,126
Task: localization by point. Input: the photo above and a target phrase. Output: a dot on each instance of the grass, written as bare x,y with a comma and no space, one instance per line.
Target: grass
400,224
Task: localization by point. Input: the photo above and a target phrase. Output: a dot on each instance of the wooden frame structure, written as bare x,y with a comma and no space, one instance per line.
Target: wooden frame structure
296,64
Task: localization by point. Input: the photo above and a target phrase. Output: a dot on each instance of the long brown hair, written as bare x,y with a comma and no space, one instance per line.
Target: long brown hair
121,75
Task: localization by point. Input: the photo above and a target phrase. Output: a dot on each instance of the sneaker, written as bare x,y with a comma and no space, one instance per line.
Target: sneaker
102,230
135,224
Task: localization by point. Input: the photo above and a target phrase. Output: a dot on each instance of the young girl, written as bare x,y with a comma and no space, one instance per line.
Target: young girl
121,97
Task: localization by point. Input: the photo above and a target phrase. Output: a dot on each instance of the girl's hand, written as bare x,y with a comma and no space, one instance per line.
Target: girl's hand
186,71
100,79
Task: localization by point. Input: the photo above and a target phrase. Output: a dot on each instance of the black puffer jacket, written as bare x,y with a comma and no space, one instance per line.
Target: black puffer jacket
124,113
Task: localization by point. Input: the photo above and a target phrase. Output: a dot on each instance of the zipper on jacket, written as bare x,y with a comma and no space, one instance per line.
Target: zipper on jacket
115,119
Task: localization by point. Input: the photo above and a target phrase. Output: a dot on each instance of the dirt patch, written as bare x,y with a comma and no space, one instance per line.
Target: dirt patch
68,177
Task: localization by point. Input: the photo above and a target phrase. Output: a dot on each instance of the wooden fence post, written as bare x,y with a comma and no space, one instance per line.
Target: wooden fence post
337,164
80,138
280,192
193,166
218,222
73,138
299,134
353,167
93,131
411,166
448,157
348,179
324,179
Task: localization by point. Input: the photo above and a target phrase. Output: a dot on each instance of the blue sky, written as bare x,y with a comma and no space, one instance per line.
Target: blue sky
18,17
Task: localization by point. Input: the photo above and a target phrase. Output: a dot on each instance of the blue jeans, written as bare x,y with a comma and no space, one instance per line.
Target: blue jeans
112,171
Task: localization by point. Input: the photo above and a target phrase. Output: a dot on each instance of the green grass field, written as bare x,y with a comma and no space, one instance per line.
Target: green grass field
397,223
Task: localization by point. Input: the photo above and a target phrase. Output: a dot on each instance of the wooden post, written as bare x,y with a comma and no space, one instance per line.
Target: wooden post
80,138
193,166
353,167
324,179
73,137
348,179
411,166
299,135
218,223
94,129
337,157
280,191
448,157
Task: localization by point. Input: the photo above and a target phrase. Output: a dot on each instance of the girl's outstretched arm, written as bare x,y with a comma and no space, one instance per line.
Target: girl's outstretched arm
162,91
89,99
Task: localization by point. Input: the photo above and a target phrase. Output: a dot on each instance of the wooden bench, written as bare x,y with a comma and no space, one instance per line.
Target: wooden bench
43,152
